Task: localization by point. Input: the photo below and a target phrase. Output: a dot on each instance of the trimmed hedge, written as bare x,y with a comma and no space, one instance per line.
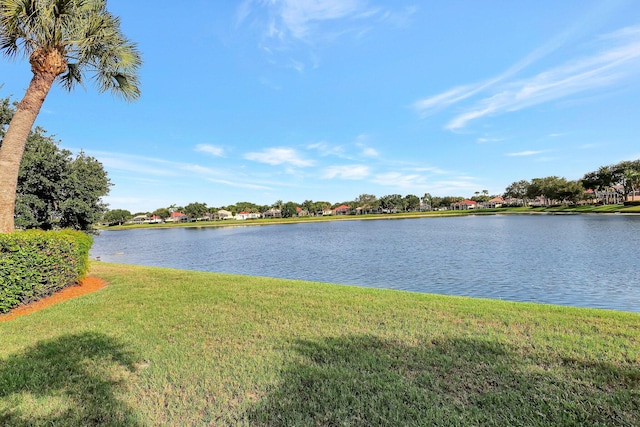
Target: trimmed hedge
34,264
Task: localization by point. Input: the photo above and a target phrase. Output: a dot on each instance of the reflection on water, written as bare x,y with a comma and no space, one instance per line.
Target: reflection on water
580,260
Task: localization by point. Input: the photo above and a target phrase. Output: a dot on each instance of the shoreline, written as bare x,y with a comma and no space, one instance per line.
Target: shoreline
626,211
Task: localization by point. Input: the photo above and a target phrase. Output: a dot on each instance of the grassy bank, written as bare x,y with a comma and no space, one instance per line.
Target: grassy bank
171,347
515,210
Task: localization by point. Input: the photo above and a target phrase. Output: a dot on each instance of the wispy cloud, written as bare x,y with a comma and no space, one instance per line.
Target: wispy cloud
365,149
326,149
312,21
279,156
484,140
141,165
399,180
210,149
524,153
240,184
300,19
370,152
617,61
354,172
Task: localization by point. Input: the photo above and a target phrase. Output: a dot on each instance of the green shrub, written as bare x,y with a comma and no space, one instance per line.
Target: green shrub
632,203
35,263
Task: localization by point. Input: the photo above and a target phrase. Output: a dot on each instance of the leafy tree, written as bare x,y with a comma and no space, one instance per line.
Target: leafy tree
289,210
368,202
309,206
392,202
481,198
620,179
246,207
64,40
163,213
446,201
555,189
56,190
411,202
517,190
570,191
195,210
117,216
6,112
86,184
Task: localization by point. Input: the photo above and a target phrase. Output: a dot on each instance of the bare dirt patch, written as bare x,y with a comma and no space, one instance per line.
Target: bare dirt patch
86,286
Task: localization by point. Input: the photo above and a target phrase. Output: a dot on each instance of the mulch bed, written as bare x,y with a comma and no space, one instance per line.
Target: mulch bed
86,286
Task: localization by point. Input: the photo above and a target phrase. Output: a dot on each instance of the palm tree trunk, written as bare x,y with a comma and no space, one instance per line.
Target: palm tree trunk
14,142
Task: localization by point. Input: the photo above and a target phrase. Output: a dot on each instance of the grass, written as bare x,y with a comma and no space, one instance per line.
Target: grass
173,347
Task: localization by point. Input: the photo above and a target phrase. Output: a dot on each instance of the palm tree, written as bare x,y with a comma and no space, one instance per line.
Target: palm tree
64,40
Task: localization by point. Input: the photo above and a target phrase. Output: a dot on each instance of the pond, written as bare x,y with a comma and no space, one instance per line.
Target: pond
577,260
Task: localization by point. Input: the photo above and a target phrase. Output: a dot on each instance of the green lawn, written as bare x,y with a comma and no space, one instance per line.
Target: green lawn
172,347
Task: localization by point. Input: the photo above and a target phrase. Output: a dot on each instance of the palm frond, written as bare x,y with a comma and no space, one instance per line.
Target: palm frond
83,31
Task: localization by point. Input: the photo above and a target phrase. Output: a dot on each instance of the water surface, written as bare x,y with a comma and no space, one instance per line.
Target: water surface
578,260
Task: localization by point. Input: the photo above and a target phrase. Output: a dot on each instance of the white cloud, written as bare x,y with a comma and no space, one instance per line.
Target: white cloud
299,18
139,164
484,140
396,179
313,20
430,169
278,156
370,152
617,61
428,106
353,172
366,151
524,153
142,167
240,184
326,149
210,149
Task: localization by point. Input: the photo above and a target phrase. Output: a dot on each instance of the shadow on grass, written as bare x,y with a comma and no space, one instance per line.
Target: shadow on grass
69,381
367,381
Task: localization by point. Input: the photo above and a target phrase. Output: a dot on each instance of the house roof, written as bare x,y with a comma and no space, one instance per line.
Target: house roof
342,208
177,214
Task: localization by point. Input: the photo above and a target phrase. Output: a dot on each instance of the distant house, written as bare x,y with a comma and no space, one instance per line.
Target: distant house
272,213
512,201
138,219
154,219
224,214
207,216
496,202
177,217
342,210
464,205
247,215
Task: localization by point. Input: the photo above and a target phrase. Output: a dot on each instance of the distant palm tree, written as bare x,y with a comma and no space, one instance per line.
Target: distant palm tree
64,40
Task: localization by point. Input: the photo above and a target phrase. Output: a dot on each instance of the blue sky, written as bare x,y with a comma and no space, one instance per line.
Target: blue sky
266,100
